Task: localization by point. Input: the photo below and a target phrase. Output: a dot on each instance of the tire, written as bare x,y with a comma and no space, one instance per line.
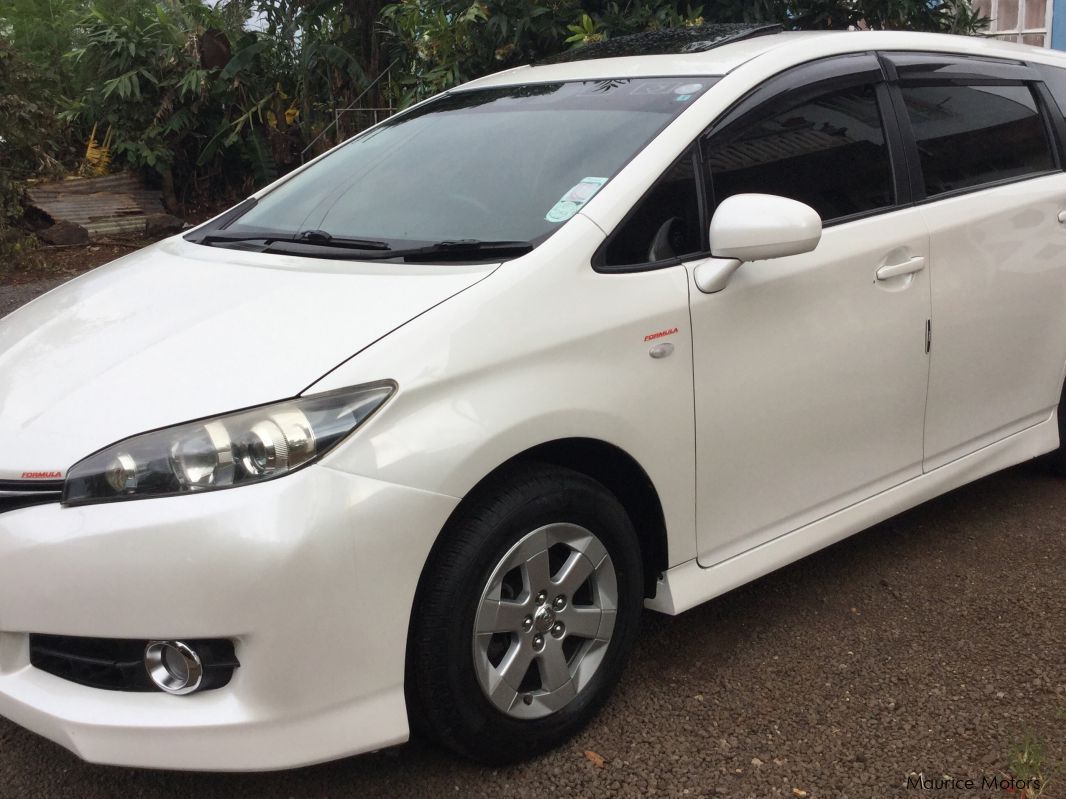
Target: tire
533,524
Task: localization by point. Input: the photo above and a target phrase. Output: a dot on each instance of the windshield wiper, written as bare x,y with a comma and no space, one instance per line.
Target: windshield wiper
321,244
462,249
452,250
318,238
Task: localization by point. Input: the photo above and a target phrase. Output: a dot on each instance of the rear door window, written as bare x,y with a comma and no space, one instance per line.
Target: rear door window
969,136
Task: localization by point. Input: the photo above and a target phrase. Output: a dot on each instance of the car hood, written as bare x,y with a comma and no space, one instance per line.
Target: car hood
179,331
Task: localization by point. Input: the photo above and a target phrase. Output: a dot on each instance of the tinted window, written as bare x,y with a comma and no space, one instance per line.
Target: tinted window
828,152
1055,80
666,222
970,135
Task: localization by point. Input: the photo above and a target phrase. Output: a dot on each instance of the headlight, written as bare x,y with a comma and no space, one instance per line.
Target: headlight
240,448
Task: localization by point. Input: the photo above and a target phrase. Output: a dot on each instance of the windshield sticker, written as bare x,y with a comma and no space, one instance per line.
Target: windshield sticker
685,92
572,201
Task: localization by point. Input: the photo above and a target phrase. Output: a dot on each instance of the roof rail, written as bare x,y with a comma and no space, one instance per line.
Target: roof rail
666,41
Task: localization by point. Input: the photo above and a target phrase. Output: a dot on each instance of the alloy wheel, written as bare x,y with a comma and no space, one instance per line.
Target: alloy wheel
544,620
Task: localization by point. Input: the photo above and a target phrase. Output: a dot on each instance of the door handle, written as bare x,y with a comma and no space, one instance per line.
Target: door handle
908,267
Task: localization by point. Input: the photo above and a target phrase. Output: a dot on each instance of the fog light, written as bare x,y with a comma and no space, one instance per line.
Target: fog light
173,666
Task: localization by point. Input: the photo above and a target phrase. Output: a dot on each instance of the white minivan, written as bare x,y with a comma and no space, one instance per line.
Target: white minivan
410,437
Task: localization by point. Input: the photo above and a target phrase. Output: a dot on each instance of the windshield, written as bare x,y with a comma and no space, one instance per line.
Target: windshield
499,165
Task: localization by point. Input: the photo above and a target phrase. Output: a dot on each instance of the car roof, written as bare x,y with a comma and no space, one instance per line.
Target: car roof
799,46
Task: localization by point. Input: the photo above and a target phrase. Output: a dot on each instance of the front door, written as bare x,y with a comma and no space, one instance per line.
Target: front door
810,373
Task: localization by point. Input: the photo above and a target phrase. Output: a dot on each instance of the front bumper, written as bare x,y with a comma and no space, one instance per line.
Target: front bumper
313,575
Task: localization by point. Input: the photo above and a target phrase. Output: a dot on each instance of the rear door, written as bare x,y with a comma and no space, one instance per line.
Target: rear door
987,179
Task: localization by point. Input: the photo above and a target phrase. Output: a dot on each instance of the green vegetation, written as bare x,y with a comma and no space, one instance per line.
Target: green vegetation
216,97
1030,770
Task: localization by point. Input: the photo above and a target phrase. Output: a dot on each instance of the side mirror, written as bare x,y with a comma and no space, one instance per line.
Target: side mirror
753,227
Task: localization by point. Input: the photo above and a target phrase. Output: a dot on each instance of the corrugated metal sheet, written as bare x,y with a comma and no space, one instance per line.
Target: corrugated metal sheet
103,206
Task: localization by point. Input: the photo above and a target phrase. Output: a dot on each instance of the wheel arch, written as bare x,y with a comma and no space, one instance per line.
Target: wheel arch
616,470
606,463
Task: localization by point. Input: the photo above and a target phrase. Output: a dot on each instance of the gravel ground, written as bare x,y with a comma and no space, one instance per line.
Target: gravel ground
932,643
52,266
11,297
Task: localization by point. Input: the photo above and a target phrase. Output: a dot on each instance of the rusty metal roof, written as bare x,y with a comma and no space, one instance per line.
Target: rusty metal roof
103,206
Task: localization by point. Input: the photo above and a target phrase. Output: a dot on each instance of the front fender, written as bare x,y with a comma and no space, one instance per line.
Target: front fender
546,348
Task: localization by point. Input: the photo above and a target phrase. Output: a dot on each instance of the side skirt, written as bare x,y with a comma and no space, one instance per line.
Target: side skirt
689,584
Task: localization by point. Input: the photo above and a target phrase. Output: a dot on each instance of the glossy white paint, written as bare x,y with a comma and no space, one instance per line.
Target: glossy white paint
690,584
178,331
579,366
828,365
999,290
797,406
754,227
310,574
